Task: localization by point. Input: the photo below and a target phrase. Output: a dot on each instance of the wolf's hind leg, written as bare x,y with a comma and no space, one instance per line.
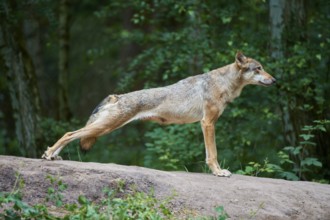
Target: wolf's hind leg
90,132
106,118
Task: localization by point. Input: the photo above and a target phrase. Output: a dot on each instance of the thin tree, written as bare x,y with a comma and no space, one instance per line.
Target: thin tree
276,12
64,112
21,78
287,24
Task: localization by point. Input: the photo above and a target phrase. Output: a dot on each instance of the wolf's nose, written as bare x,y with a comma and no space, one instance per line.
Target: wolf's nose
273,80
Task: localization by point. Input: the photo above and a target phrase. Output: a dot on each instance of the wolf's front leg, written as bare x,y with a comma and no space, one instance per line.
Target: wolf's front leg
215,168
210,147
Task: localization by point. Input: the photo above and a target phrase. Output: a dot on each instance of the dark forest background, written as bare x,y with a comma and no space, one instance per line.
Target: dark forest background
59,59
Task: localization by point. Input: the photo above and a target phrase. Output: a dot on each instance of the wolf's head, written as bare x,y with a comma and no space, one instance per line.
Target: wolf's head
252,71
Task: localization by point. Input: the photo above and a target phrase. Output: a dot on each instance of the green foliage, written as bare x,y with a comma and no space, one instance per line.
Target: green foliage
254,169
133,206
222,215
51,130
114,204
136,205
300,158
54,193
175,147
253,213
288,174
14,208
295,163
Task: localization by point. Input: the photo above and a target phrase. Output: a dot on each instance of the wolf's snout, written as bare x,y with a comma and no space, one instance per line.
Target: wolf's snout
273,80
267,82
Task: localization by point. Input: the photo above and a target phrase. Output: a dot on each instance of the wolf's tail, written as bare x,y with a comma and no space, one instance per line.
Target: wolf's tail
87,143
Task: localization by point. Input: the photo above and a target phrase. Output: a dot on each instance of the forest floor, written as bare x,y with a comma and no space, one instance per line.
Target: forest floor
193,194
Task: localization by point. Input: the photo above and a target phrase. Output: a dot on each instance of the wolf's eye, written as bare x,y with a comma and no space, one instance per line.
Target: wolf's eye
257,69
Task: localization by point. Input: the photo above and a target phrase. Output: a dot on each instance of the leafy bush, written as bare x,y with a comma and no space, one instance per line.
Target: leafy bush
254,168
294,162
54,193
299,161
175,147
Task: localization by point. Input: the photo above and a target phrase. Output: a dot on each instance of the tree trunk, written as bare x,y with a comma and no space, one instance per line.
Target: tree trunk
277,24
33,39
64,112
20,78
276,11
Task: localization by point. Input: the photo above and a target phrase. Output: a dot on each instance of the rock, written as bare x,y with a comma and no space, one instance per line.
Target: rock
243,197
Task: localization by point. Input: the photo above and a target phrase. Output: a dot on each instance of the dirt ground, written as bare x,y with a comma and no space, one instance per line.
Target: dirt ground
242,197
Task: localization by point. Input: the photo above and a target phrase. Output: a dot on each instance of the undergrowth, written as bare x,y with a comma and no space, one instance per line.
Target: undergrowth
294,162
115,204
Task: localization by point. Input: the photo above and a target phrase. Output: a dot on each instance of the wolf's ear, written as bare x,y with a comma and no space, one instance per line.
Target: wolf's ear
240,59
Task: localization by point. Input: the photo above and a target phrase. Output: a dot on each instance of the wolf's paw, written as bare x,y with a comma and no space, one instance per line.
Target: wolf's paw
48,156
225,173
56,157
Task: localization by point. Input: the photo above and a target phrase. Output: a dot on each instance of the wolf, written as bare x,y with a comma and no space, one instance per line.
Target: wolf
197,98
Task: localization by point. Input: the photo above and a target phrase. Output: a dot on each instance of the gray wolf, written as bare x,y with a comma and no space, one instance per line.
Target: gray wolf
197,98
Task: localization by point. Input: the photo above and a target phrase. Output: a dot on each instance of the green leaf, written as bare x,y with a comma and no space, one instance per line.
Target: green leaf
62,187
82,200
284,157
226,20
311,161
288,148
58,203
306,137
308,143
289,176
51,190
296,150
249,169
240,172
274,167
222,215
91,213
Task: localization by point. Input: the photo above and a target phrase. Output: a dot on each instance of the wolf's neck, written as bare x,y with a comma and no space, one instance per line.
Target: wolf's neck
230,81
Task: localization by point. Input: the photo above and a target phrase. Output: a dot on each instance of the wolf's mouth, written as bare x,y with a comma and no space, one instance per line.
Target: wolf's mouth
265,84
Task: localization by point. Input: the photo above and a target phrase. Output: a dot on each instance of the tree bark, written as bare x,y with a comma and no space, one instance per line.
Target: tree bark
277,25
276,11
64,112
21,80
33,41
